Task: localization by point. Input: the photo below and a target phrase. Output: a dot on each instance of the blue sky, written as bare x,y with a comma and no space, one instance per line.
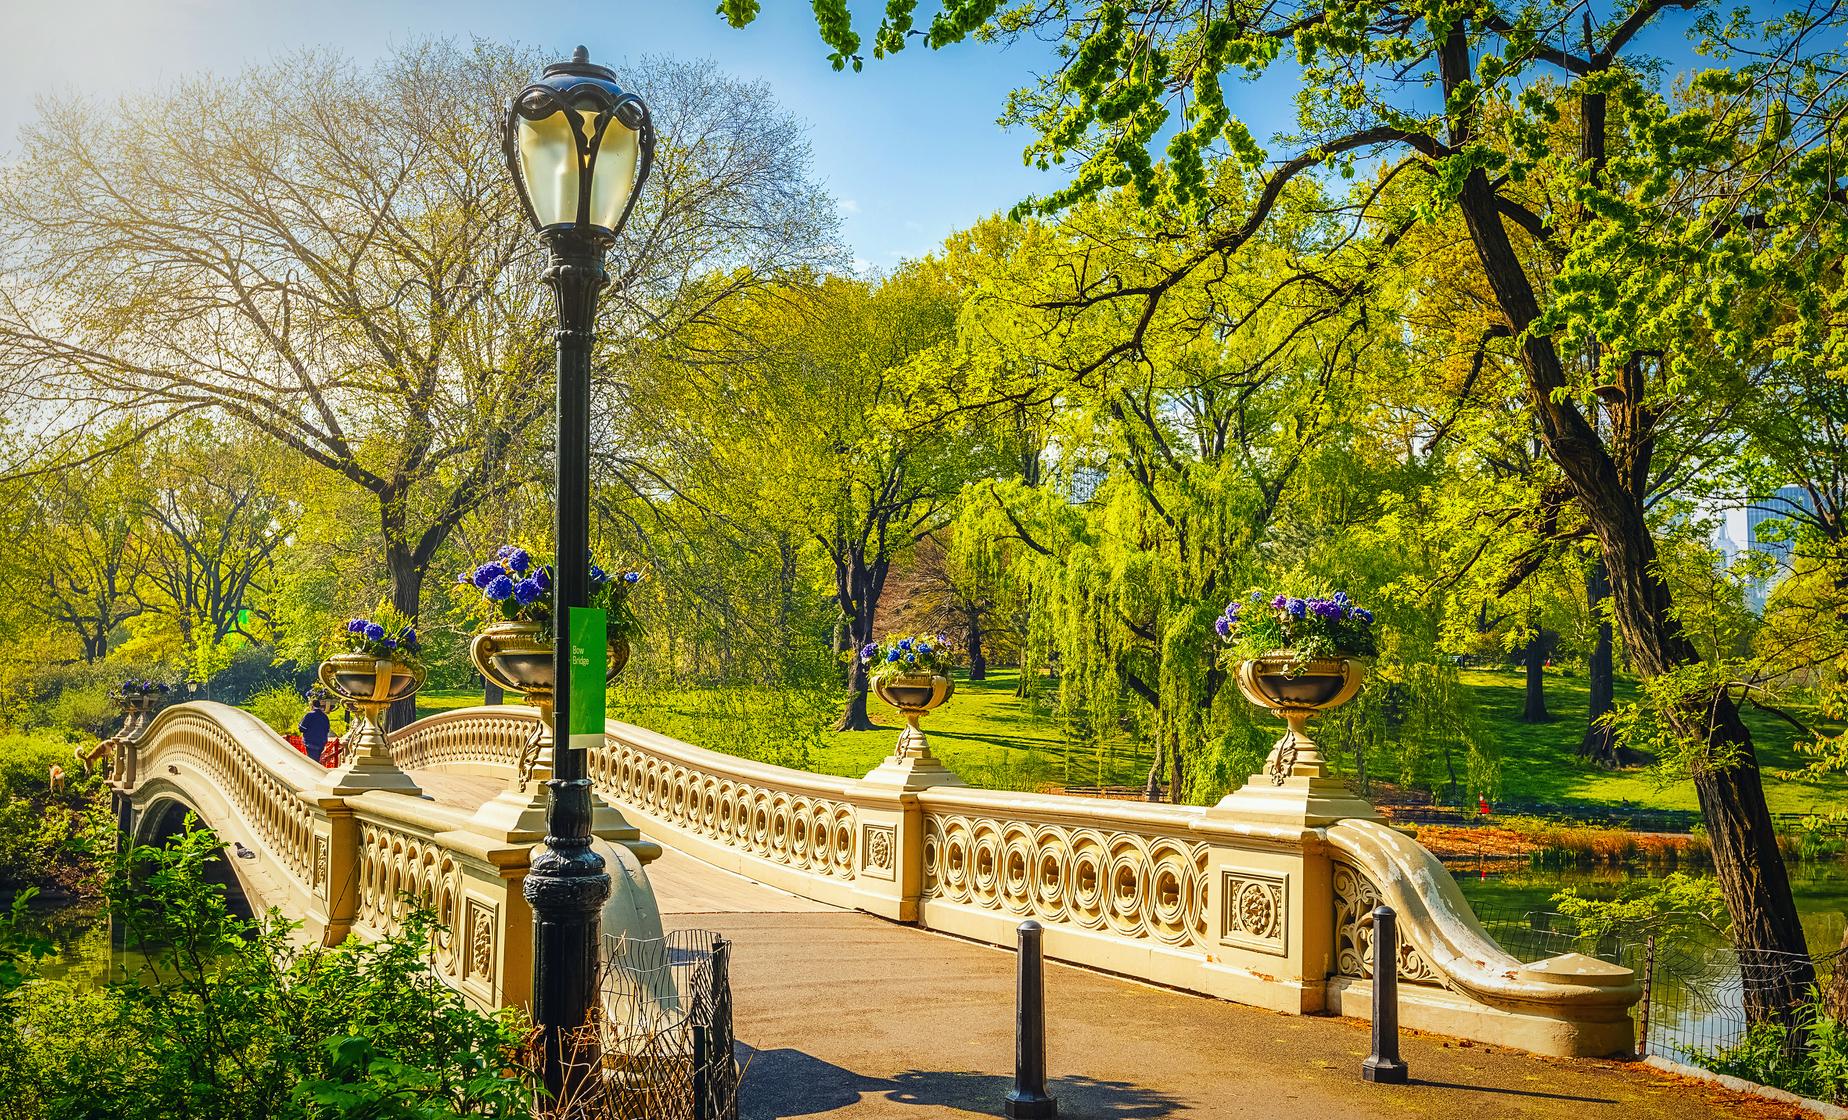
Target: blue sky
909,146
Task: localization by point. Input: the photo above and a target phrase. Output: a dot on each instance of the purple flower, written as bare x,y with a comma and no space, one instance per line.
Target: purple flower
374,631
544,578
1325,608
518,560
1223,625
505,552
526,591
487,574
1232,609
1280,602
868,651
1363,614
1257,596
1296,607
499,588
356,626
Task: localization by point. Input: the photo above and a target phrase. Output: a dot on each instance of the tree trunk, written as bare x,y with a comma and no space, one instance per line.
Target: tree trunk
1610,492
406,596
1535,657
978,661
862,582
1599,744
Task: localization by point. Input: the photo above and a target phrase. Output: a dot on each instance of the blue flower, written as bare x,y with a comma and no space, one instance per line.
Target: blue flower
544,578
505,551
518,560
374,631
1233,608
894,655
389,644
598,575
868,651
1325,608
1257,596
1363,614
1280,602
631,577
487,574
526,591
1296,607
911,659
356,626
1223,625
500,588
904,643
1341,597
409,637
922,648
466,577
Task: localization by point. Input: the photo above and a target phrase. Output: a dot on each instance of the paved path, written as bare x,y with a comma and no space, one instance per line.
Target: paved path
842,1015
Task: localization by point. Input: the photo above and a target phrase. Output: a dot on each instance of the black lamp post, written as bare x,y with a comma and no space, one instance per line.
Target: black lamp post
578,147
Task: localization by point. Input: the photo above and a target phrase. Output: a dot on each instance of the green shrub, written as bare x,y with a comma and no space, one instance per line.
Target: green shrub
280,706
47,838
234,1020
1813,1064
86,710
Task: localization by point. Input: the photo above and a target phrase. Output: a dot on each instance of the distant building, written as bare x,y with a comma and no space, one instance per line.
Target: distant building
1743,529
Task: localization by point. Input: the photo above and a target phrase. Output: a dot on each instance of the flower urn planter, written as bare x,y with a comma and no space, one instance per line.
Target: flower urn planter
518,657
1295,690
370,684
912,765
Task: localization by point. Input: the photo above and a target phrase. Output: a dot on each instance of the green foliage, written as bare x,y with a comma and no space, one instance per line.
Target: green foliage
1807,1056
1262,625
1675,905
278,706
49,838
232,1019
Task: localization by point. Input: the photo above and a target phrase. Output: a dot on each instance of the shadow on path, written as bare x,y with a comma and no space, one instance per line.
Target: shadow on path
1511,1092
789,1083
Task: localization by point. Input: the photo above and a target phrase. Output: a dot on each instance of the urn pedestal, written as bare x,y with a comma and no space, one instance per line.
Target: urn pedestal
1295,787
371,684
912,765
518,657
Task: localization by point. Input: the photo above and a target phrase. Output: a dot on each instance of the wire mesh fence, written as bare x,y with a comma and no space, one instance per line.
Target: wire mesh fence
663,1032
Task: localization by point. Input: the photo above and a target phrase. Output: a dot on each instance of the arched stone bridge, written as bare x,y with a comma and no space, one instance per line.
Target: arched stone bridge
1262,899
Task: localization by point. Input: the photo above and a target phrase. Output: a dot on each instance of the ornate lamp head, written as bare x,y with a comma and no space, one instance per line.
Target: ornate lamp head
579,148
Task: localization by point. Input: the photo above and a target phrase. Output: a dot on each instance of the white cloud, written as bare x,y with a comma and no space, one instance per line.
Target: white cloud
850,206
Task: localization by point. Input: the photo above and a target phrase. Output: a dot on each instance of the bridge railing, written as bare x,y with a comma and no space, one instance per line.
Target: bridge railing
1233,901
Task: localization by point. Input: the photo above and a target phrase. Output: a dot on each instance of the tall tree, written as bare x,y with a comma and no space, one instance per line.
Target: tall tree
1648,221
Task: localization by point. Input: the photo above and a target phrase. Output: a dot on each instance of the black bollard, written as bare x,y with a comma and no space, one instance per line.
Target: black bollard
1029,1101
1383,1065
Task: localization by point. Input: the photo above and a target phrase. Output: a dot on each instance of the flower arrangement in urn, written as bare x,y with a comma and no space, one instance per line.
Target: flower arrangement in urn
513,595
1296,656
378,661
911,673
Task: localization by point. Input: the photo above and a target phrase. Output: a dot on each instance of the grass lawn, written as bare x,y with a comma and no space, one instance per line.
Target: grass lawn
994,739
1540,763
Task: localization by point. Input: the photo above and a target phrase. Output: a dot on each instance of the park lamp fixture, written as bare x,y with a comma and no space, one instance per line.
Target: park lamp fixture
579,148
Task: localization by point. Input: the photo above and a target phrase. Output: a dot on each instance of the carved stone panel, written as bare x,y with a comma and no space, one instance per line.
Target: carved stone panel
1355,898
1254,910
321,859
479,958
879,851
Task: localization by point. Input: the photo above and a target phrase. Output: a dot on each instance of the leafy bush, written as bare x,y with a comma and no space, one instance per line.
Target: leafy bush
49,838
234,1020
1809,1059
279,706
89,710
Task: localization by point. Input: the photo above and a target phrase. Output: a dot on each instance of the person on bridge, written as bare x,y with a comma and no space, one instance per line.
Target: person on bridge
314,728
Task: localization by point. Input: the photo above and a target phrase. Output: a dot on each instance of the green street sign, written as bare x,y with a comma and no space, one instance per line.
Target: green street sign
589,654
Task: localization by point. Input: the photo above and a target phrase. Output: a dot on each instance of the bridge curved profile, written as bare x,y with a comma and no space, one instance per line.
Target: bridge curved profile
1245,906
1264,898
